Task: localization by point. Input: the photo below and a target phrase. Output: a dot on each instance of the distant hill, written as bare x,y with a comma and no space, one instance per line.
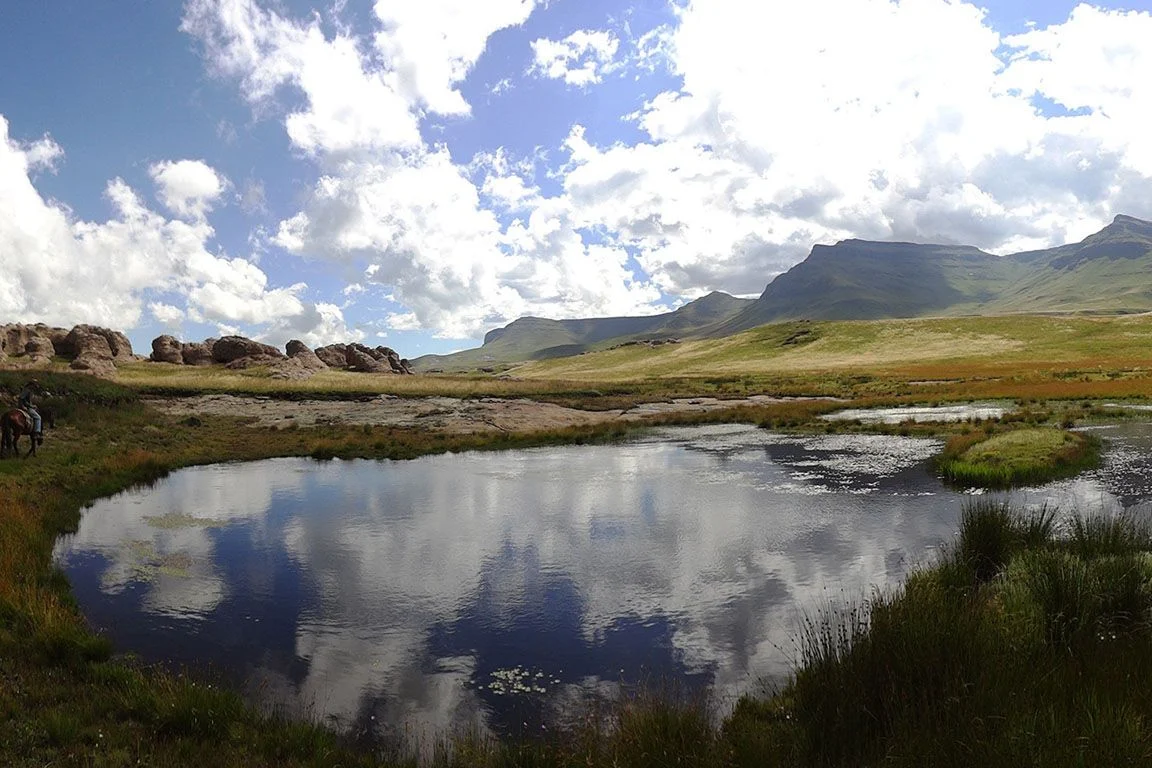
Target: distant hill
1110,271
537,338
863,280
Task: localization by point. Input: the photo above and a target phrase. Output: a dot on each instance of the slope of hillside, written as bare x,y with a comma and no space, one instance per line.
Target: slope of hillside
537,338
1109,271
858,279
863,280
919,348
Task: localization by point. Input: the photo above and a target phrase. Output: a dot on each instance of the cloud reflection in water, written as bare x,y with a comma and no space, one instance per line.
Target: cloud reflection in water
425,593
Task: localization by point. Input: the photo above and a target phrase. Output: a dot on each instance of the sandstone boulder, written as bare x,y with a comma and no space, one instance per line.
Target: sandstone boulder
297,367
196,353
58,337
167,349
333,355
39,349
118,344
94,364
250,361
88,343
360,358
230,348
397,364
14,337
307,359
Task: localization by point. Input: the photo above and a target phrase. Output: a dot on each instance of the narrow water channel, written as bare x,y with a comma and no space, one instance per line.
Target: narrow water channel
502,588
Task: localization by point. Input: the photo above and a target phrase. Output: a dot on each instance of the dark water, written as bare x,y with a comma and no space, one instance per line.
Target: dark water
503,588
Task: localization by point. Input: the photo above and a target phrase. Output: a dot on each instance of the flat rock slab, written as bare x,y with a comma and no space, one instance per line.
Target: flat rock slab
447,414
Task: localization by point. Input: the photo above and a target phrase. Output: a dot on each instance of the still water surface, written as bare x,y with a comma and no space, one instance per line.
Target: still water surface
502,588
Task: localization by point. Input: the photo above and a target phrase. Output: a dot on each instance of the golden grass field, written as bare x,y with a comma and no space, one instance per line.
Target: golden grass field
1025,357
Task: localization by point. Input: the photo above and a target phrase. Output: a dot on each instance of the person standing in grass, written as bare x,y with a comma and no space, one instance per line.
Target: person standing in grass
27,401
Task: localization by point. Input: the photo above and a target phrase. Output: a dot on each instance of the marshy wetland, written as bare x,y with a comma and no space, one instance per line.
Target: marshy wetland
394,583
504,590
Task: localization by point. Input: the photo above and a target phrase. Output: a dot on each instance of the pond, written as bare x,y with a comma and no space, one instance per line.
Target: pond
502,589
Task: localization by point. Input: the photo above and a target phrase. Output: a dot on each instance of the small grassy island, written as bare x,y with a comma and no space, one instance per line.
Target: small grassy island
1017,457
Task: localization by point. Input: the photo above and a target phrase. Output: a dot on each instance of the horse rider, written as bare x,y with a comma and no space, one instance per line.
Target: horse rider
27,401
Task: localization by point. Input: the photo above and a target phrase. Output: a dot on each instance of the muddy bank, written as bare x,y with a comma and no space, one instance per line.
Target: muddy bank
448,414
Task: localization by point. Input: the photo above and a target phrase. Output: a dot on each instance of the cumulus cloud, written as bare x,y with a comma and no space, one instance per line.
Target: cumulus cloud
430,45
789,127
188,188
580,59
166,314
392,203
916,130
63,270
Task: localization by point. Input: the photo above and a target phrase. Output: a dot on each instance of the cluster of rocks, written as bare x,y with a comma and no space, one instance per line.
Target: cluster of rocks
89,348
646,343
239,352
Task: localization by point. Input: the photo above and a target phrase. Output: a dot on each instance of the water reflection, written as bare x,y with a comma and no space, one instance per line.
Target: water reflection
498,588
939,413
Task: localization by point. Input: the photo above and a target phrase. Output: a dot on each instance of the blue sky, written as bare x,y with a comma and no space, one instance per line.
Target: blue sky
416,173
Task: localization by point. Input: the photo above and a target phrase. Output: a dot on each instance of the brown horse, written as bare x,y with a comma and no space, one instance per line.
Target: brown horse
14,424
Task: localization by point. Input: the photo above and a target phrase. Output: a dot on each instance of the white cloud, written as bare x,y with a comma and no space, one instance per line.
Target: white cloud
580,59
791,127
1097,60
63,271
402,209
188,188
351,105
431,45
317,325
166,314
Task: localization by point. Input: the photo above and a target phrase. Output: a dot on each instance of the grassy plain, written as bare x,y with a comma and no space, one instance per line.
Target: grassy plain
943,672
996,353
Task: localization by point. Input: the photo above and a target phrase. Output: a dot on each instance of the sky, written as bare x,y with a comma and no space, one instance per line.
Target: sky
414,173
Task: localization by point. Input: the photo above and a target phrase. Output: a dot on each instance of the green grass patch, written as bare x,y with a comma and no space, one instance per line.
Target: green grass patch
1017,457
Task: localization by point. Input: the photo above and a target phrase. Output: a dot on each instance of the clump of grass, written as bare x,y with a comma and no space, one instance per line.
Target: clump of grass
991,533
1101,534
1016,457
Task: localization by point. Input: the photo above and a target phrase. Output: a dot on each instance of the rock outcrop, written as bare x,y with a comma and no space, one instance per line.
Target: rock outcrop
71,345
14,338
91,350
230,348
333,355
304,357
39,349
167,349
301,363
251,361
238,352
360,358
197,352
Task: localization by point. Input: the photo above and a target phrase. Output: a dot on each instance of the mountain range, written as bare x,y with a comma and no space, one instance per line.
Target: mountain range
1109,271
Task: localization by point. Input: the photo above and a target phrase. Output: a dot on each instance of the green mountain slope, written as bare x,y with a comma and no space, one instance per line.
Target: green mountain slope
537,338
1110,271
862,280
